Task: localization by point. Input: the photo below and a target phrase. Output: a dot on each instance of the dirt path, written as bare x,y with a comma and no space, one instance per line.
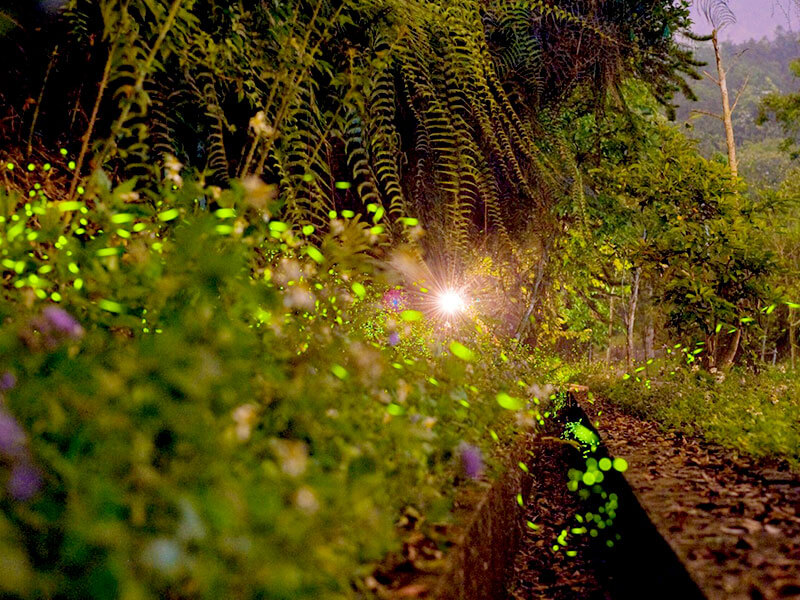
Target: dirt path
733,521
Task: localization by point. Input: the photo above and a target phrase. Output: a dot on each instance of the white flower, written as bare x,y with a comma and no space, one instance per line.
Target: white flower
292,456
173,169
244,416
306,500
260,126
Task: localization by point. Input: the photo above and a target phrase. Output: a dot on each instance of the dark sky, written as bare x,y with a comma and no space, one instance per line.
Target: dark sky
755,19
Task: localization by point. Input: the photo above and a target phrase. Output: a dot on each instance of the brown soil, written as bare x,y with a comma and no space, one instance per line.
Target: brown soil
733,521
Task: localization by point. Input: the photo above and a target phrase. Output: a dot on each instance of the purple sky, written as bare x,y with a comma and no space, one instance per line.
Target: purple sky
755,19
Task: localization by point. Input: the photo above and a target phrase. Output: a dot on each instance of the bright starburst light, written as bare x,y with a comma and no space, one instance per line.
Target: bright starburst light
451,302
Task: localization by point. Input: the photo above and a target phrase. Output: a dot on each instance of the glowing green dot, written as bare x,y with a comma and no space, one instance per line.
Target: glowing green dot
395,410
359,290
461,351
78,283
55,297
71,165
10,166
47,166
620,464
169,215
339,371
605,464
278,226
63,151
31,167
81,189
41,294
110,306
315,254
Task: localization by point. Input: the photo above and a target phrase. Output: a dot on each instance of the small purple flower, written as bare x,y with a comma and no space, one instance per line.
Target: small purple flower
53,327
12,437
471,460
24,482
394,338
60,321
7,381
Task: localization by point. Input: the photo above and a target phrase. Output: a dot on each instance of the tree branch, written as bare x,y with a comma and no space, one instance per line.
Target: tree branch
697,111
739,93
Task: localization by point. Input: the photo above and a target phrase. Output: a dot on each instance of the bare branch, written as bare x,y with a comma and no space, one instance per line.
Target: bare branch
711,77
697,111
739,93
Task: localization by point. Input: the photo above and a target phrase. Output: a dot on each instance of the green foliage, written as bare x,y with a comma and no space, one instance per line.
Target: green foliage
754,415
785,109
229,418
433,109
672,220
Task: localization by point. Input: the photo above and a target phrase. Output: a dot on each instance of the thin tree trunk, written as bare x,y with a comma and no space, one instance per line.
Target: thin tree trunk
39,100
650,333
632,316
726,107
792,336
534,299
610,327
727,360
87,137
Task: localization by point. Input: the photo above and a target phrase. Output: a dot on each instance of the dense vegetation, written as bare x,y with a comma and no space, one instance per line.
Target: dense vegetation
227,229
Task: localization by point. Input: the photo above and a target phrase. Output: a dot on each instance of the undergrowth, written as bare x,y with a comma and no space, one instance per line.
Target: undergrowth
753,414
202,401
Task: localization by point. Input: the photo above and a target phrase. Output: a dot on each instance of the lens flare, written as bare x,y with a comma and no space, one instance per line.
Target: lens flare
451,302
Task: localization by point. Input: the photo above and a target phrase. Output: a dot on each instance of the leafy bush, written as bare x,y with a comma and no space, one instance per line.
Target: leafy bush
754,414
204,404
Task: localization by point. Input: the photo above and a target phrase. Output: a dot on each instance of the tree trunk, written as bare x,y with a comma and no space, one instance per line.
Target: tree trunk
610,327
534,298
650,329
792,336
632,316
726,107
727,360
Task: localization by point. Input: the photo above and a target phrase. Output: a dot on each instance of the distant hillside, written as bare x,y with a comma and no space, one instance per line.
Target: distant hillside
765,66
